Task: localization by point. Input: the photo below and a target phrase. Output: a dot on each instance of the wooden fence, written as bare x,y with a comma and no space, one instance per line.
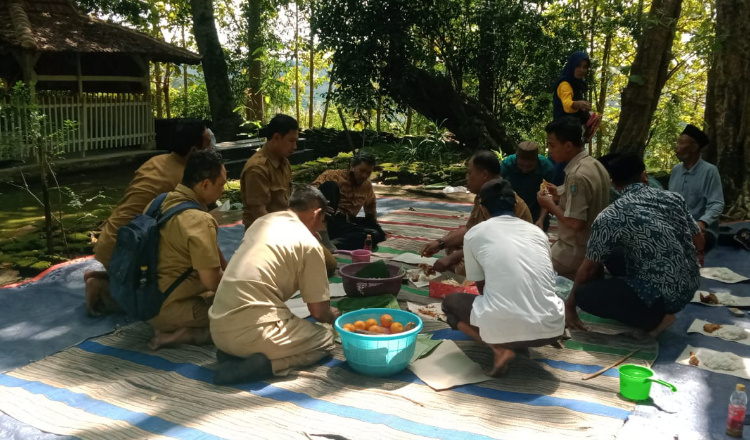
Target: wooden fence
102,121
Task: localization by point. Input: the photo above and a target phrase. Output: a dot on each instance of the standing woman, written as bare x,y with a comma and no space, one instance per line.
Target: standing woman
570,93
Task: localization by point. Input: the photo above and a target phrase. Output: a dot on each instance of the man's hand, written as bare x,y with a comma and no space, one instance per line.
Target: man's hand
443,264
430,249
335,312
540,223
702,225
552,189
546,201
572,321
582,105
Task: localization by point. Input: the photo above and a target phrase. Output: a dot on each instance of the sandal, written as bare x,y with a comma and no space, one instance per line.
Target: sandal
743,238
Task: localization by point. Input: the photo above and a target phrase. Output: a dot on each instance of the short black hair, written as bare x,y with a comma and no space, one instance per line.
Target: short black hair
625,169
567,129
363,156
202,165
303,196
281,124
486,160
188,134
497,196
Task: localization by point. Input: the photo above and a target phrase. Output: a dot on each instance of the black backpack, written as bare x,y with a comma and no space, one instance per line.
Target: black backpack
133,270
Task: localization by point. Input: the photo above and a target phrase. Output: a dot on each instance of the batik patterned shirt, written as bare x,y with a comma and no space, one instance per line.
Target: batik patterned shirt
654,229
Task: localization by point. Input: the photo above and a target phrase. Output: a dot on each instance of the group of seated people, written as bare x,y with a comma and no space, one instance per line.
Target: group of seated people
647,240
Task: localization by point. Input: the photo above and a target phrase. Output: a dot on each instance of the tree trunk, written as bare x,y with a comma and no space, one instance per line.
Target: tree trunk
311,106
379,111
165,88
328,102
255,111
728,105
486,60
158,93
226,122
296,59
346,130
601,104
409,112
43,166
184,74
435,98
647,77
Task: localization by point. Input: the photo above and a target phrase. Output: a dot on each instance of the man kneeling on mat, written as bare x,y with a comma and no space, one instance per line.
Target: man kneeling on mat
649,243
256,334
509,259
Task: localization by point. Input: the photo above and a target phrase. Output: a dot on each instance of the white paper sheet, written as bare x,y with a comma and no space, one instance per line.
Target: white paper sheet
429,312
414,259
722,274
298,308
337,290
424,280
740,301
684,359
697,327
447,367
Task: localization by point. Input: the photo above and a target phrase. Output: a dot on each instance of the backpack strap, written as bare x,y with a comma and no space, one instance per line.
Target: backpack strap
155,207
162,219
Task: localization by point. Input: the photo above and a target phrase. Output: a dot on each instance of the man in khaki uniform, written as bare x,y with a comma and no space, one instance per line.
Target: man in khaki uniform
189,240
158,175
255,332
266,179
583,196
481,168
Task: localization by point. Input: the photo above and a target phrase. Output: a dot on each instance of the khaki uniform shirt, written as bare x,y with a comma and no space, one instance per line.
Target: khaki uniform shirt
583,196
158,175
189,239
277,257
265,181
352,198
478,214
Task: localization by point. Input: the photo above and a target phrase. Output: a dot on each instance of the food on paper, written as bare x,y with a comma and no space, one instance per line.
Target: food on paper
709,299
451,283
710,328
729,332
726,299
722,361
694,359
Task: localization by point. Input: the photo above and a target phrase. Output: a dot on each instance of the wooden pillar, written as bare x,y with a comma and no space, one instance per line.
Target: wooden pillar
28,60
83,123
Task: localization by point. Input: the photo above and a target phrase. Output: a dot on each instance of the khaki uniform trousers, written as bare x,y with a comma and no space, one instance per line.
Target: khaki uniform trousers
290,343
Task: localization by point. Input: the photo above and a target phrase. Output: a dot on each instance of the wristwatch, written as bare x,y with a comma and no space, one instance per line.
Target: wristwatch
441,243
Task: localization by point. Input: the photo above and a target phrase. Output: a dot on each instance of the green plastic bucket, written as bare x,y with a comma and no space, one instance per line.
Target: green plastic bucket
635,382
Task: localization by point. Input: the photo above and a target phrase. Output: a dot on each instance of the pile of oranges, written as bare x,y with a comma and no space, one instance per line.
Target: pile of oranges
386,326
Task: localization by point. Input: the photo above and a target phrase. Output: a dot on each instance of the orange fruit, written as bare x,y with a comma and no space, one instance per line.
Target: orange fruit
360,325
370,322
386,320
397,327
375,328
349,327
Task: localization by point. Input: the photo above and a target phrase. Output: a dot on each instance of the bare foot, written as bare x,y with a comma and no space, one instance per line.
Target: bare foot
95,274
98,299
667,321
184,335
503,357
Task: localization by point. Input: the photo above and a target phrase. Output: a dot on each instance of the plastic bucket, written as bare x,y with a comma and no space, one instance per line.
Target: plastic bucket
635,382
378,355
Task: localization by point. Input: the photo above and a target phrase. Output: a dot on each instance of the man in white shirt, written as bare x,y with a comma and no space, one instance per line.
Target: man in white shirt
510,261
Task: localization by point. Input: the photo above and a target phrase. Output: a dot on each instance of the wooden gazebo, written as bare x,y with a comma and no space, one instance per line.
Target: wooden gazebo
83,69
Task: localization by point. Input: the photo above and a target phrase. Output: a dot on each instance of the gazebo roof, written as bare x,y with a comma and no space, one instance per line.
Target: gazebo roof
56,26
